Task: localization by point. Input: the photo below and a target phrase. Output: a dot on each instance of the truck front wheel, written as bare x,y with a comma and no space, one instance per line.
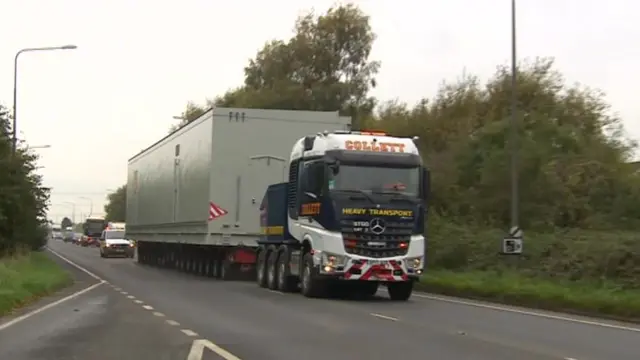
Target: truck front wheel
311,285
272,270
400,291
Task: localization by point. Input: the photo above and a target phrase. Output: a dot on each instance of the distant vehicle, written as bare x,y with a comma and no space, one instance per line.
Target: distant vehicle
67,234
76,238
114,242
56,232
93,227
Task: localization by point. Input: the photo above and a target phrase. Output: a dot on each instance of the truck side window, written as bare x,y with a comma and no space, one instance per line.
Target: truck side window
314,178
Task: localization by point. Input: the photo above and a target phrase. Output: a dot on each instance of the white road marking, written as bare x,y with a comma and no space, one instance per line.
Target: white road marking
570,358
275,292
124,293
147,307
528,312
75,265
189,332
138,301
48,306
117,289
198,346
173,323
131,297
159,314
383,317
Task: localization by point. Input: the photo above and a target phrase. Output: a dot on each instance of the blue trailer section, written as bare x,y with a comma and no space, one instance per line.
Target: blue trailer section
273,215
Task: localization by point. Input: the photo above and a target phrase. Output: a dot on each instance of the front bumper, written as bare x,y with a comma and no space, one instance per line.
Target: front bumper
118,251
352,268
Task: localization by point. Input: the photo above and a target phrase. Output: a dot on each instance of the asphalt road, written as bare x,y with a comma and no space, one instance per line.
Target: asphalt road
168,315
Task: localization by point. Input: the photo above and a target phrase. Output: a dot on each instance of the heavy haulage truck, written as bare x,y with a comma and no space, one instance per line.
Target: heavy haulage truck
292,199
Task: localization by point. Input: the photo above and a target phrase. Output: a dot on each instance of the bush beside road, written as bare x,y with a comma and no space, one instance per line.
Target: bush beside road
28,277
579,271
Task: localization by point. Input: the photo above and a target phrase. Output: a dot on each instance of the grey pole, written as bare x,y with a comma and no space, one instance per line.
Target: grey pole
514,122
14,131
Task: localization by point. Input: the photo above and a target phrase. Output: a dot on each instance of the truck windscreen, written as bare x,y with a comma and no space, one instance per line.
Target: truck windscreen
94,227
376,179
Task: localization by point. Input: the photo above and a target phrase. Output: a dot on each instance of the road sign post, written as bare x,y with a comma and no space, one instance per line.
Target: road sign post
512,244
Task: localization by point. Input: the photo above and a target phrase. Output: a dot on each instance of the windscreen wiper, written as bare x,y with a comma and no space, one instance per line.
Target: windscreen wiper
367,196
397,196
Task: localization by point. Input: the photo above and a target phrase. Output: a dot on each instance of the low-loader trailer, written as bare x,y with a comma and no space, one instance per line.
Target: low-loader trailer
292,199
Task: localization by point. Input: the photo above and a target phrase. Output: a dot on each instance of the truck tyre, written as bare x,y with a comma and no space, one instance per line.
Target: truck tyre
400,291
272,270
285,283
310,284
261,269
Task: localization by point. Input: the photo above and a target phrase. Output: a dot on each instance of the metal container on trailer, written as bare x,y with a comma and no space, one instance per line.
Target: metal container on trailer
227,157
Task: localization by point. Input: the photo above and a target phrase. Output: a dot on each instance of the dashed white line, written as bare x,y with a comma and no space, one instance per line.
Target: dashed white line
159,314
131,297
570,358
528,312
138,301
117,289
275,292
173,323
383,317
189,332
124,293
147,307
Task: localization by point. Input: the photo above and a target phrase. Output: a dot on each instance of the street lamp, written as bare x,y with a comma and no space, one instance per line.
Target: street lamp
15,85
90,204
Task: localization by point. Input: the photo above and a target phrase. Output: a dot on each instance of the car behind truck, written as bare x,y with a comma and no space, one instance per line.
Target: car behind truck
291,198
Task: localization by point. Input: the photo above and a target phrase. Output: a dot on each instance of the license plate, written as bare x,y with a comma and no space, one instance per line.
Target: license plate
119,250
377,262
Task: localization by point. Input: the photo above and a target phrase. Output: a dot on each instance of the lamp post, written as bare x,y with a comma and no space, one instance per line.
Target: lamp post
90,204
15,86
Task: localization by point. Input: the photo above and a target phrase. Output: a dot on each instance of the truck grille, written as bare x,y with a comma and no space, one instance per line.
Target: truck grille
394,241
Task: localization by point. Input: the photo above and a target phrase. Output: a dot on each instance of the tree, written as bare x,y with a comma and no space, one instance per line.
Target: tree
23,199
66,222
116,207
325,66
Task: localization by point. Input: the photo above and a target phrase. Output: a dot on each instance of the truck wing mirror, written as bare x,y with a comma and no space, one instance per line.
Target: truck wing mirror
426,183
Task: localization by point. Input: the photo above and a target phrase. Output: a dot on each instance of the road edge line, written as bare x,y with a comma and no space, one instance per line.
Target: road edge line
48,306
75,265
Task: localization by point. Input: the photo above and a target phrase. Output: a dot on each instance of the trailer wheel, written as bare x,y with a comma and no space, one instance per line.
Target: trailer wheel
400,291
261,269
311,285
272,270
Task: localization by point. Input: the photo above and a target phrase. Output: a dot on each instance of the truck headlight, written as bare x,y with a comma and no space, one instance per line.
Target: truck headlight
414,262
332,260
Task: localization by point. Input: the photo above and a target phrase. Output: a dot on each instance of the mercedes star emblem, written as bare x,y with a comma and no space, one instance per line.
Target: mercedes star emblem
377,226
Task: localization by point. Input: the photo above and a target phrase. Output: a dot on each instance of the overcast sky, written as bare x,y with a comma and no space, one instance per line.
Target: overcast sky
139,61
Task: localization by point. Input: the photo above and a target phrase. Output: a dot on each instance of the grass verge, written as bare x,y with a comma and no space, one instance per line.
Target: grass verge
25,278
602,300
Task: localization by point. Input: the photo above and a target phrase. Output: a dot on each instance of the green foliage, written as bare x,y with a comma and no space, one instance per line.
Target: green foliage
27,277
66,222
23,199
116,207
